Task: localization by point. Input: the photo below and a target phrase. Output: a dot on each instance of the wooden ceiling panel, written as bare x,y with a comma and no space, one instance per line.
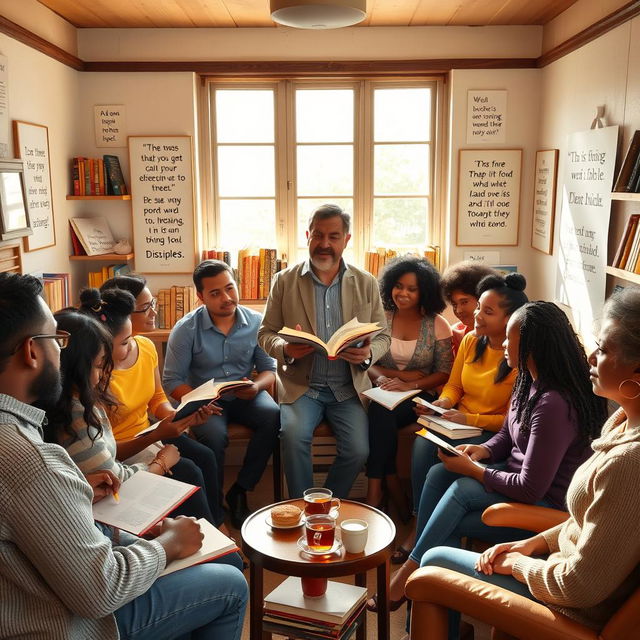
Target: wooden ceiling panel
255,13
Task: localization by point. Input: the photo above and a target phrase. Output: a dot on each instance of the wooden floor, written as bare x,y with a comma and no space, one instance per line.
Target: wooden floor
262,496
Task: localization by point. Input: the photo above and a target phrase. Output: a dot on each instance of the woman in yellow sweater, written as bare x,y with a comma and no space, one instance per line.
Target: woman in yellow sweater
480,384
588,566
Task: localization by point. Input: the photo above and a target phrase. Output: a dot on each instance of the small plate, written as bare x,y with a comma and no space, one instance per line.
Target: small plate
302,545
272,524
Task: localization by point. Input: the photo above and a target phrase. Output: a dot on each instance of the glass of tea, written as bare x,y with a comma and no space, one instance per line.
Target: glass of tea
319,500
320,530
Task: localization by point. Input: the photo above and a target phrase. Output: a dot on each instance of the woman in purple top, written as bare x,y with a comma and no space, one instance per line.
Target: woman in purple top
553,417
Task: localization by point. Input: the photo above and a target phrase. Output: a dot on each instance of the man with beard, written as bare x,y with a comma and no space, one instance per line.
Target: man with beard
60,576
319,295
219,340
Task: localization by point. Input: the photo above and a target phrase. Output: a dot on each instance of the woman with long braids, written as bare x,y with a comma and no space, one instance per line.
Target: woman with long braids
553,418
586,567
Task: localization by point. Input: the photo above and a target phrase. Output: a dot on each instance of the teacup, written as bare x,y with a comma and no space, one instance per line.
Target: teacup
319,500
320,530
354,535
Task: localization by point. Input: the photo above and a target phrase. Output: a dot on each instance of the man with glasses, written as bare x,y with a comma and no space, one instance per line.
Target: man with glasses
60,576
220,340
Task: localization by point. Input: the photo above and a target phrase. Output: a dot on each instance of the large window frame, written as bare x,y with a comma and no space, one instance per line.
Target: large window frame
285,157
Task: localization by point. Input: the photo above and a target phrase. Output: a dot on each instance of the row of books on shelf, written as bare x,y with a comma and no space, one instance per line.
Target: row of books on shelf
56,290
628,179
255,271
98,278
98,176
376,259
628,253
173,304
335,615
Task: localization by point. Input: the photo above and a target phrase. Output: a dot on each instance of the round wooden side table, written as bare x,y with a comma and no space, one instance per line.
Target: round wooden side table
276,550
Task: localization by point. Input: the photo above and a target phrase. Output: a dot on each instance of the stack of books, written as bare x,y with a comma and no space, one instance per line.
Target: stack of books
57,290
628,179
376,259
98,177
216,254
256,268
334,616
174,304
98,278
628,252
450,429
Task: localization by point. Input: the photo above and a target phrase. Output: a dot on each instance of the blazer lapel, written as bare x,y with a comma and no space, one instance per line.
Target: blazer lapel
347,294
305,288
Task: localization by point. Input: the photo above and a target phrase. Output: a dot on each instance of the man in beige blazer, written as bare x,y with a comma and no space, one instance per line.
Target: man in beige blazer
319,295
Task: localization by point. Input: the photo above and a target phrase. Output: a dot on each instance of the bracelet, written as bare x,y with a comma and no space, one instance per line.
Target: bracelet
161,463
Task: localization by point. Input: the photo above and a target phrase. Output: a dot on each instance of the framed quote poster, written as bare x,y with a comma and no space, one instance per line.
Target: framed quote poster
544,200
162,203
31,145
488,197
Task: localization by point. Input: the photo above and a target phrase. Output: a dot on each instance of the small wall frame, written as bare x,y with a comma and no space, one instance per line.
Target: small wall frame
14,215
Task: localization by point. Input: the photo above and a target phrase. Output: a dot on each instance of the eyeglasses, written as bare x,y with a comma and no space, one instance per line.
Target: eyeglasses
148,305
62,338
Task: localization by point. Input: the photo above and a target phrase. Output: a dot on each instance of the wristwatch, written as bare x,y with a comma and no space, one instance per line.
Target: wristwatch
365,364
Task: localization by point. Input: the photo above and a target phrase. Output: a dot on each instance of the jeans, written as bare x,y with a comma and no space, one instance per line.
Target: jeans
425,455
198,466
451,508
262,415
464,562
349,423
383,435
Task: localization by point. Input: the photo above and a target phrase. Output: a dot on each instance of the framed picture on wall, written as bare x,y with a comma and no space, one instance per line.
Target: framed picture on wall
31,144
544,200
14,215
488,197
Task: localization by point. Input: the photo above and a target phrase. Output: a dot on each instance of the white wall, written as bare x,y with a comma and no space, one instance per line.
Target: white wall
523,114
45,92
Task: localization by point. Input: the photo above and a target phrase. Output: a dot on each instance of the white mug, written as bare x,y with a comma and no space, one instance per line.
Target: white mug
354,535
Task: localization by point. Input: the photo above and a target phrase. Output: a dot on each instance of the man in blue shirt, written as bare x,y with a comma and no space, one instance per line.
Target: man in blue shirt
219,340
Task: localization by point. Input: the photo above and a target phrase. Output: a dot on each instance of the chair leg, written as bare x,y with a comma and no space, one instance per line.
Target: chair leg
277,472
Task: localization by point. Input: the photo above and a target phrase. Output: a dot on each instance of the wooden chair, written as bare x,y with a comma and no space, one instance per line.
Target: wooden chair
433,590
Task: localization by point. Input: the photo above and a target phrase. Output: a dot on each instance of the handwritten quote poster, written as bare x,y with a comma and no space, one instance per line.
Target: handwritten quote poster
110,125
488,196
544,200
589,162
486,117
31,143
162,203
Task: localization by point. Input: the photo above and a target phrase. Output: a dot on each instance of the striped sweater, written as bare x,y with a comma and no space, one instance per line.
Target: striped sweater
60,577
595,555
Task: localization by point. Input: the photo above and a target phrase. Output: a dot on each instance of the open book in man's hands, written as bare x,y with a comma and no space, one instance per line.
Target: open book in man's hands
351,334
205,394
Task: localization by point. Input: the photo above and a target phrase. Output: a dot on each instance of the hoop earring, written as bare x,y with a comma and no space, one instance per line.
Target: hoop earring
629,397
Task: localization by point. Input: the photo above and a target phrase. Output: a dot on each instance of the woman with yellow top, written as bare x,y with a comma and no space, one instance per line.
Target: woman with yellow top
135,384
481,381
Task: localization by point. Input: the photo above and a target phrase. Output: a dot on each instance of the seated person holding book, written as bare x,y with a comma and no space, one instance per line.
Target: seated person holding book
586,567
60,576
459,285
318,296
480,383
547,434
219,340
135,385
420,358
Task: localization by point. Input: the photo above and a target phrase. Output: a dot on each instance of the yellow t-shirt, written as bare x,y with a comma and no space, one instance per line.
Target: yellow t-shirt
472,388
135,390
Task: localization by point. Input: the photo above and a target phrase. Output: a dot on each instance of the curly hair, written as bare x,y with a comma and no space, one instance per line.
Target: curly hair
111,307
427,276
464,276
134,283
510,289
548,339
88,338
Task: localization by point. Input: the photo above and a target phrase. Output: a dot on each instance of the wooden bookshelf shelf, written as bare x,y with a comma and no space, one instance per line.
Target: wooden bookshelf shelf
621,195
127,197
105,256
629,276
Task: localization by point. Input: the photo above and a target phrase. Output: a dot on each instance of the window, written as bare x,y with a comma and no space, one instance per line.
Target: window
280,149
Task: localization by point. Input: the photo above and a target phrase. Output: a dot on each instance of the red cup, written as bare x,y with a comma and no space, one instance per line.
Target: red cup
314,587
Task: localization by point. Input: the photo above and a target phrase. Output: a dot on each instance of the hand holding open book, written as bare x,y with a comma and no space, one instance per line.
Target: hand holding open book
206,394
351,334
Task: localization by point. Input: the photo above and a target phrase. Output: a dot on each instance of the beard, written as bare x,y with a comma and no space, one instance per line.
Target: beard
47,387
323,261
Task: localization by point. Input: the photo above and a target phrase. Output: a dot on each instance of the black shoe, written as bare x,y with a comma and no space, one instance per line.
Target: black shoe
238,507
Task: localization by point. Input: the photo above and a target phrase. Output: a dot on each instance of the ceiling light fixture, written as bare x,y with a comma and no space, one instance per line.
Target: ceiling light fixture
318,14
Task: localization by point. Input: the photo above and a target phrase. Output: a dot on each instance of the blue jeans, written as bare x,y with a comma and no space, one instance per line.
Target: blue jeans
349,424
262,416
464,562
451,508
425,455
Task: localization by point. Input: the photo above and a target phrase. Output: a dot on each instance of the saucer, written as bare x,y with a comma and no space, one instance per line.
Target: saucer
302,545
272,524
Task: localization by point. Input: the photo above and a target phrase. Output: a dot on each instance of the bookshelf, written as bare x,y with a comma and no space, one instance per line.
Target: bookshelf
105,256
127,197
10,258
629,276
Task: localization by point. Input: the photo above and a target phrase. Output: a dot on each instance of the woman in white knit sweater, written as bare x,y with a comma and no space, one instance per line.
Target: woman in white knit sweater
572,567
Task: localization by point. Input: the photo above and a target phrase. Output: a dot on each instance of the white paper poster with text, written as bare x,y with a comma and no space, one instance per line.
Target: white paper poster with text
589,162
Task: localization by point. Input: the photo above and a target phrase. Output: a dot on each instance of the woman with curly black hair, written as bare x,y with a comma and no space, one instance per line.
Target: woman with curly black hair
420,357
